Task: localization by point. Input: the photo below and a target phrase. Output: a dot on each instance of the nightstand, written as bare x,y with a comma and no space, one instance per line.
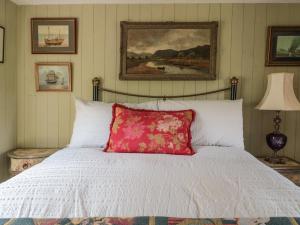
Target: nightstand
291,168
22,159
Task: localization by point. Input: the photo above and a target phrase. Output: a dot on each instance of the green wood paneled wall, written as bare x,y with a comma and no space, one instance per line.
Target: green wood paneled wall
46,119
8,91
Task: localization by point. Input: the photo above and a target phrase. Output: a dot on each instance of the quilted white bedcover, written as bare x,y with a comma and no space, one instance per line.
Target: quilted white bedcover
215,182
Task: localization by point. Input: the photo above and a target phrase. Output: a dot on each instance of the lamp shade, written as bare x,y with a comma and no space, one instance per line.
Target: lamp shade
280,95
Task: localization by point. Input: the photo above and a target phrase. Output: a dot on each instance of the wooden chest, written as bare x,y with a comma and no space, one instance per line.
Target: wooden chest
290,169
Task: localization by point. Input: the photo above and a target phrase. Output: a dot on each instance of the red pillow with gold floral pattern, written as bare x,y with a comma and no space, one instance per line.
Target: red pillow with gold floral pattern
149,131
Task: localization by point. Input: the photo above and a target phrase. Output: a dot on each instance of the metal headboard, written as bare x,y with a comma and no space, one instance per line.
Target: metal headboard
98,87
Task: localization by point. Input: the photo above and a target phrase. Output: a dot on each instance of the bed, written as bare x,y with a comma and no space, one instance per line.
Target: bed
216,182
216,185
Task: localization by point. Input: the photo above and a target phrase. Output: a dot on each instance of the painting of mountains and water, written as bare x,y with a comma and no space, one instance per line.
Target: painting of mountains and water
167,51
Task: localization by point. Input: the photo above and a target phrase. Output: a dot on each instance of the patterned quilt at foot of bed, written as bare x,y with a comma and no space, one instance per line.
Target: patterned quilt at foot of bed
152,221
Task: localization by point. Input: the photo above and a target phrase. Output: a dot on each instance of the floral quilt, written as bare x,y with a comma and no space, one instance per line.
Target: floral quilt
152,221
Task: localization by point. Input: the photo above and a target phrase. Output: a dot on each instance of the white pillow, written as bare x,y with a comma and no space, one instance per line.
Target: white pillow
92,122
218,122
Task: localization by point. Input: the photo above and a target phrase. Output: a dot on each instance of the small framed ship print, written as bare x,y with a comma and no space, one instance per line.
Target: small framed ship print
283,46
53,36
54,76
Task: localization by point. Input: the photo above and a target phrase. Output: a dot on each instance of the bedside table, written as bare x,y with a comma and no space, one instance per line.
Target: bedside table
291,168
22,159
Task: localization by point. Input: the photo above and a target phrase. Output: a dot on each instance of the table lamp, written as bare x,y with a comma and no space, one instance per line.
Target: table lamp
279,96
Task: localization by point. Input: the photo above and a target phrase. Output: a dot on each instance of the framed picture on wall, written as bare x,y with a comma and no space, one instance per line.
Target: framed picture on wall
283,46
53,76
53,35
168,50
2,37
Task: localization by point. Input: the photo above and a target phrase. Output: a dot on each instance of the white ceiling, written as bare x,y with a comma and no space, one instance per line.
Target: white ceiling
47,2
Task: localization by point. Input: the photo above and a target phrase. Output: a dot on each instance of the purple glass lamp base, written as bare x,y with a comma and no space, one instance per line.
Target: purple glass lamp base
276,141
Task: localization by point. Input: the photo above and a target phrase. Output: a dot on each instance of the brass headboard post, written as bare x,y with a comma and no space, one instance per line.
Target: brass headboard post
233,88
97,88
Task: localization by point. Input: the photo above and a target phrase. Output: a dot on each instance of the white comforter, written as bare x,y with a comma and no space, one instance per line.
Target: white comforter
215,182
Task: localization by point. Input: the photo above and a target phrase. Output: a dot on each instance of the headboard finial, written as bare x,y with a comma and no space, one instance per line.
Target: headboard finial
96,81
96,86
234,80
233,89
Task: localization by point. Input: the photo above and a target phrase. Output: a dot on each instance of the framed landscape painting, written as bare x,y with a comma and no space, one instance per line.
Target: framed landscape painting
53,76
2,37
283,46
53,35
168,50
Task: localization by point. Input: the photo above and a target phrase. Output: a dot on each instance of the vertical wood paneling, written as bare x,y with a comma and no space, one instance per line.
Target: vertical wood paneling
99,40
236,42
214,15
45,119
225,47
110,51
121,85
203,15
3,77
64,100
53,98
10,81
247,66
258,76
76,11
41,98
21,77
8,90
30,99
87,49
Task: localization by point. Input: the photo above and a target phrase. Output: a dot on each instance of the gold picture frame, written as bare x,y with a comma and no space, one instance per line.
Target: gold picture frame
53,35
168,50
53,76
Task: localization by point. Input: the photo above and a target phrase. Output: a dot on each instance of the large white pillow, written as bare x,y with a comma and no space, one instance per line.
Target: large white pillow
217,122
92,122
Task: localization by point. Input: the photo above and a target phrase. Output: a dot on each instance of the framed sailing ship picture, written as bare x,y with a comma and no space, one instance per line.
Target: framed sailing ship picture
168,50
54,76
53,35
283,46
2,34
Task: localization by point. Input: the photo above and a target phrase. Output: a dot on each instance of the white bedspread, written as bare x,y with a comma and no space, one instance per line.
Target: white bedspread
215,182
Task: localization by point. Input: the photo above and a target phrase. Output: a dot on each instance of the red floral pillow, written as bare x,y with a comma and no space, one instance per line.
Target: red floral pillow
149,131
